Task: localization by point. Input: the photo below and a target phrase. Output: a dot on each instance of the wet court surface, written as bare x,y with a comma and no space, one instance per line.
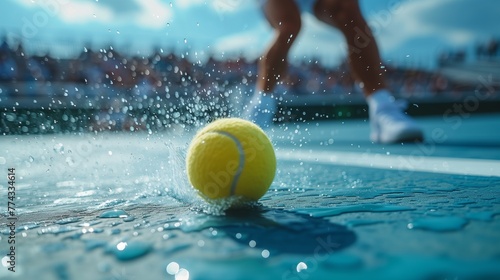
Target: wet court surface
118,206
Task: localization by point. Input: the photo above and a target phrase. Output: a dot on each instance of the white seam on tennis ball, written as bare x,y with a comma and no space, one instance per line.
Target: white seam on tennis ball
241,159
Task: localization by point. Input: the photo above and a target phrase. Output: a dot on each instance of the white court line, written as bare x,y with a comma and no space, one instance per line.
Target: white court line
463,166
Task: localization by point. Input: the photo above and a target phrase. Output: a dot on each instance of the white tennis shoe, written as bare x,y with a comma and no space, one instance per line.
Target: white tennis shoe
389,123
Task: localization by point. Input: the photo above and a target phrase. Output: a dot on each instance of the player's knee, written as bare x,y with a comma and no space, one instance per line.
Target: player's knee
290,30
337,12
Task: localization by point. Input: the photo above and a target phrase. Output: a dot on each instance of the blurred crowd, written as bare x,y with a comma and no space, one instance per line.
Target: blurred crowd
488,50
165,73
169,88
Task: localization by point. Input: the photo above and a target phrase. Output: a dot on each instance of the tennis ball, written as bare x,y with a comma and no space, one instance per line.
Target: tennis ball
231,157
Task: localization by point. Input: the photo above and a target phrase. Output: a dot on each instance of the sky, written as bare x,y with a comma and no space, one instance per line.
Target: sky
409,32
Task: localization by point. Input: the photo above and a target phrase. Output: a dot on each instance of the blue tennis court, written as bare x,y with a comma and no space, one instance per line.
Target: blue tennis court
118,206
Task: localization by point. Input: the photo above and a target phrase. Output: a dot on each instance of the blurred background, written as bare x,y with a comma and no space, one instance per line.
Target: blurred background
99,65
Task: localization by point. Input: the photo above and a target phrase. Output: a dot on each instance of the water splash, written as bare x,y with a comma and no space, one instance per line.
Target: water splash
218,207
174,174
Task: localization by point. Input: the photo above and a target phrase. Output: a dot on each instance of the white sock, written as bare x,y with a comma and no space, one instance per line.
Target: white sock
381,96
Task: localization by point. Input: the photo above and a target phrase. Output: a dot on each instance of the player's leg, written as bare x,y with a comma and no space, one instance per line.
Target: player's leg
272,66
389,123
363,54
286,23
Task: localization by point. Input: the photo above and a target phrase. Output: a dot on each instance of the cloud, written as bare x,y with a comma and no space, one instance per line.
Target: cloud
184,4
251,42
71,11
154,13
118,7
27,3
149,14
450,22
82,12
316,40
219,6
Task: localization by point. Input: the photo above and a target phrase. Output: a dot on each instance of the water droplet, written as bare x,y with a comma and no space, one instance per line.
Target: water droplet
5,261
183,274
325,212
173,268
301,266
128,250
439,224
265,254
68,220
121,246
69,161
59,148
87,224
56,229
128,219
115,213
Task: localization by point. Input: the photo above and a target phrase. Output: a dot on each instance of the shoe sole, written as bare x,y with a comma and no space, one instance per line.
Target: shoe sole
413,139
409,138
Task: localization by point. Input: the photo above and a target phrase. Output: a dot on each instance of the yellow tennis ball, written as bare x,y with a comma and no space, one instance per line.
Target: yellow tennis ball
231,157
